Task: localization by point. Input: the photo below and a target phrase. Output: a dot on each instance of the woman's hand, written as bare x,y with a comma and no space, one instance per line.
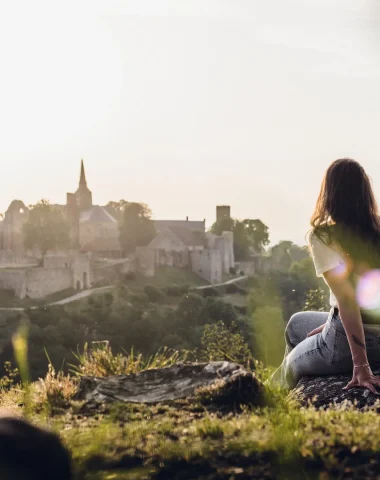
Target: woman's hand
363,377
316,330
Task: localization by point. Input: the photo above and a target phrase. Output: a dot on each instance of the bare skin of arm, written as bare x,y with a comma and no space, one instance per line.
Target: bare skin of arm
350,315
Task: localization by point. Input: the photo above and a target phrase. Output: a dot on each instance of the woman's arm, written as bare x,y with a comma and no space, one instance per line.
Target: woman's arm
350,315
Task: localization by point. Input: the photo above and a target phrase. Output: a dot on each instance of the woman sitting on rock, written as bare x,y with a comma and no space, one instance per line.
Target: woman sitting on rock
345,246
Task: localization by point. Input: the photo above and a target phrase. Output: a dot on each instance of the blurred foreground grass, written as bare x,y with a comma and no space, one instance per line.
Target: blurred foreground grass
186,440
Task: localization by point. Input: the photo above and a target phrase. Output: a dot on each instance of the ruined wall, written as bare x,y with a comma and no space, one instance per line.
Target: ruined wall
14,280
80,266
170,250
228,254
207,264
35,282
41,282
246,268
59,273
225,245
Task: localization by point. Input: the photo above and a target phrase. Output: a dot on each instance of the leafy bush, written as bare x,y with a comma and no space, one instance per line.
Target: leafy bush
10,378
222,343
56,389
316,301
210,292
130,277
177,290
141,299
154,294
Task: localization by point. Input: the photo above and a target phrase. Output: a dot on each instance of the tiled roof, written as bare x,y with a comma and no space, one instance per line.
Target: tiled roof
102,245
188,237
195,226
96,214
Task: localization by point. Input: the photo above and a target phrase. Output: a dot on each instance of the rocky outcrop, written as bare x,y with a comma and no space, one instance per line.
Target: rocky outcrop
215,382
323,391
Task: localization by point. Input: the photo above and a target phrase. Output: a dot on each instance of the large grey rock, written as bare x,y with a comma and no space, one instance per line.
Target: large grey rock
323,391
222,382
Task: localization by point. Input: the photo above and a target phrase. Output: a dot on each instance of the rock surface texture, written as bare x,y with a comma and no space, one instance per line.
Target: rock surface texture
323,391
219,382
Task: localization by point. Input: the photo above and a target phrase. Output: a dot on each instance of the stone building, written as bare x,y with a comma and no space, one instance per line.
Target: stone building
11,237
93,228
185,244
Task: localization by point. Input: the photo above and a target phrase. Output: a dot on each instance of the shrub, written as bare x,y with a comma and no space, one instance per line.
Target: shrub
232,271
154,294
216,310
191,308
139,299
123,292
210,292
222,343
232,288
56,389
130,277
177,290
316,301
100,361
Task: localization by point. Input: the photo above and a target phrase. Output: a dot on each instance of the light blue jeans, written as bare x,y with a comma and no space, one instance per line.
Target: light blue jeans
326,353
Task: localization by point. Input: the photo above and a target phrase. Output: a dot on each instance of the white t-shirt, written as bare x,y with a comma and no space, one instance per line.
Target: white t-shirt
325,257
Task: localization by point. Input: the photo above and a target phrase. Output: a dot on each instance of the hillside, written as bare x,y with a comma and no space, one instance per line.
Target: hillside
204,440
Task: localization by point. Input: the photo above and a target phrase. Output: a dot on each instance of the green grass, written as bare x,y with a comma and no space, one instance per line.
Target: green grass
184,440
282,442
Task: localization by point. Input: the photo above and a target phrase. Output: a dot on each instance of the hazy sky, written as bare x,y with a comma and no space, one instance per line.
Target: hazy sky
186,104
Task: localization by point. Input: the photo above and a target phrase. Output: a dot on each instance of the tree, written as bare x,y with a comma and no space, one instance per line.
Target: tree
250,236
136,227
316,301
117,208
46,228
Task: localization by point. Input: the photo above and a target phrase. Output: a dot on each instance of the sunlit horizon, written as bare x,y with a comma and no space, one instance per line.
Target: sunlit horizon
187,105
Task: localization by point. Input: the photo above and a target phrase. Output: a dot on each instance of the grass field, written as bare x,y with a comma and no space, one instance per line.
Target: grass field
191,441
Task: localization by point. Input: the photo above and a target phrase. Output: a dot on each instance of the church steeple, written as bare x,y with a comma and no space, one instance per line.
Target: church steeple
82,180
83,195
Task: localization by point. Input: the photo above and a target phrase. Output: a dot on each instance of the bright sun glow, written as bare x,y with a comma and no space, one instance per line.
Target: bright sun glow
61,72
368,291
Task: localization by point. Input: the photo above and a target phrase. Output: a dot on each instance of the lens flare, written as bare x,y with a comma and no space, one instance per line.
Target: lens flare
368,290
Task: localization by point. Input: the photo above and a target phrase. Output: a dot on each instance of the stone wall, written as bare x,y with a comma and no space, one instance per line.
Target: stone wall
170,250
145,261
9,258
228,254
207,264
41,282
59,273
80,267
247,268
15,280
35,282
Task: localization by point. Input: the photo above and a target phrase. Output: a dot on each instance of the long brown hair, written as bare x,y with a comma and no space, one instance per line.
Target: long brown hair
346,212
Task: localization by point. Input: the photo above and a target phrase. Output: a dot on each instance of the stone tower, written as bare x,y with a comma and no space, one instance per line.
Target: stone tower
223,212
83,195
